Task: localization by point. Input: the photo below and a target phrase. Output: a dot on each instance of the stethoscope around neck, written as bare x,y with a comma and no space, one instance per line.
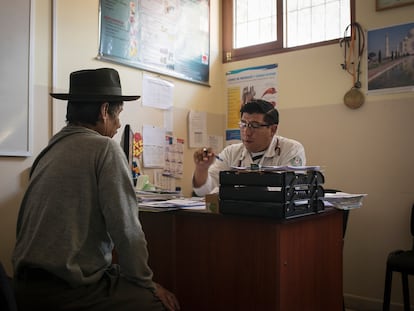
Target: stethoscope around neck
243,155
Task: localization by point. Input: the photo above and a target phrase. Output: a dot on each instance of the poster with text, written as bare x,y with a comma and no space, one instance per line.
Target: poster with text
249,83
170,37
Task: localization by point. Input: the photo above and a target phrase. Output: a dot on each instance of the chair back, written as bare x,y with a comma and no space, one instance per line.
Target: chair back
7,299
412,224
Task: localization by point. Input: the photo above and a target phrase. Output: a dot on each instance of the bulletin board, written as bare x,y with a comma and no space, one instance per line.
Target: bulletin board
167,37
15,86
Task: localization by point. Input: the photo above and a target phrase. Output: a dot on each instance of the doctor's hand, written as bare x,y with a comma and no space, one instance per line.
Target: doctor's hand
203,158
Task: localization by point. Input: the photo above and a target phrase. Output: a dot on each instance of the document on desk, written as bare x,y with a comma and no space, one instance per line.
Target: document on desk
344,201
278,168
151,196
174,204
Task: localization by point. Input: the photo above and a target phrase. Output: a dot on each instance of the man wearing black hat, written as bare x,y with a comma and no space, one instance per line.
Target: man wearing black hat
260,145
81,204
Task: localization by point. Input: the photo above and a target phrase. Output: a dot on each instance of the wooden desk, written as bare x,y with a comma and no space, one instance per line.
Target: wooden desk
216,262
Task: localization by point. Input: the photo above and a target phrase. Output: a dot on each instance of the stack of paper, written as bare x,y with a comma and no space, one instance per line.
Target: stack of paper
147,196
342,200
174,204
278,168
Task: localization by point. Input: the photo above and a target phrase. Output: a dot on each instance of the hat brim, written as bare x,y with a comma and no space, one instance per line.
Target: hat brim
110,98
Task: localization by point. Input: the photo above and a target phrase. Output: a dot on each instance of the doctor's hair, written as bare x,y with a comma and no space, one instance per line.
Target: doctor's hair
88,112
263,107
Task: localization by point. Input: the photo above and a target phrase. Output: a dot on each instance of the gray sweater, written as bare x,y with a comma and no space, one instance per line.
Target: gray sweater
79,204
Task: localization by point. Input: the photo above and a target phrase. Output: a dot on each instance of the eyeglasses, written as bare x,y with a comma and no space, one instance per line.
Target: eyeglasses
252,125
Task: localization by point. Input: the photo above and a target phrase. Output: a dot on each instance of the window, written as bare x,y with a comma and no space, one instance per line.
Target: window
254,22
253,28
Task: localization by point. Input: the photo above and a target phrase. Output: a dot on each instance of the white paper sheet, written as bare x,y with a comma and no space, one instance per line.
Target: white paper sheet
157,93
197,128
154,146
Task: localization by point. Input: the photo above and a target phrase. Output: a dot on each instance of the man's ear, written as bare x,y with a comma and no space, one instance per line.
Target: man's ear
104,110
274,129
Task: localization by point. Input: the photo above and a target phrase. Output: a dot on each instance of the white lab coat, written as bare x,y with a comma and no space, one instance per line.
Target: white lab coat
281,151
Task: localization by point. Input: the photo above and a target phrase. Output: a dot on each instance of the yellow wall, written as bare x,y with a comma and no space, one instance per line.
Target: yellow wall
367,150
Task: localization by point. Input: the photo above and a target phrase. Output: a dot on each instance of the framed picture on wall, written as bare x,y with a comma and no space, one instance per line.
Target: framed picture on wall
16,88
390,53
166,37
390,4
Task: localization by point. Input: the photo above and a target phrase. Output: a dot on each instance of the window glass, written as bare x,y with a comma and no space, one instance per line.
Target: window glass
253,28
315,21
254,22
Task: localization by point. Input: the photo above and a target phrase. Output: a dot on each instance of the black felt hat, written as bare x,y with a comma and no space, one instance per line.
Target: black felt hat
101,84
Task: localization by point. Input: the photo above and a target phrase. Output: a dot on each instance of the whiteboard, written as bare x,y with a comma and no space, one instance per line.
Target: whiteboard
15,86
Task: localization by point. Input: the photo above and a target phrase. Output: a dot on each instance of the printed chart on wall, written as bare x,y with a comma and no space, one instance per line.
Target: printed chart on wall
246,84
170,37
174,157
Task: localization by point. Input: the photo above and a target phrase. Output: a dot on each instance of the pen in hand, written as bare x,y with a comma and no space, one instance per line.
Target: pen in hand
205,151
218,158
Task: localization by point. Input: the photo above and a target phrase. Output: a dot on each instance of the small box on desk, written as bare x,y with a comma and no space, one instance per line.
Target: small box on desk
212,202
275,194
